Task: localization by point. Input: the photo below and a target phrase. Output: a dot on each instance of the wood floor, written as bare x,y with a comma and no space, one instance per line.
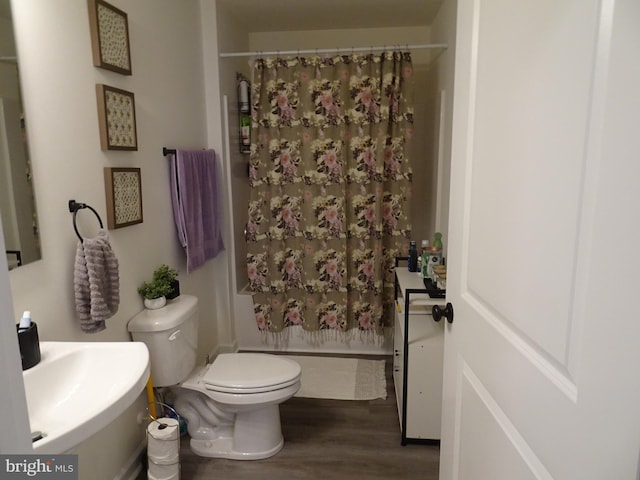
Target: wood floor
324,439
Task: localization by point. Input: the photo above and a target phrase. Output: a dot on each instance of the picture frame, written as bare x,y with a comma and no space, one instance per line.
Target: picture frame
123,190
109,28
117,118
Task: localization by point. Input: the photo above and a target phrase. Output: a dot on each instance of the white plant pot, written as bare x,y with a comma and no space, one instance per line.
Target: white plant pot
155,303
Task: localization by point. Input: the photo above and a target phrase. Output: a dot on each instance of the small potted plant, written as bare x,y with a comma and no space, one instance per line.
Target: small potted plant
155,292
165,274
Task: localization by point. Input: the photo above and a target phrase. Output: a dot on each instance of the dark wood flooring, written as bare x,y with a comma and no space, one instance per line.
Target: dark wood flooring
329,439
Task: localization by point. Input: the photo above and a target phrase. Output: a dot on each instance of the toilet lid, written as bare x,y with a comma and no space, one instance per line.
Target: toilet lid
250,373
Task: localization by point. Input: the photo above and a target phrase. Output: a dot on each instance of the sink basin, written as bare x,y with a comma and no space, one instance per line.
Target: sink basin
78,388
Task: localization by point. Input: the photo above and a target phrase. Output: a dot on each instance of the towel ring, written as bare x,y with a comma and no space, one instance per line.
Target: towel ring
74,207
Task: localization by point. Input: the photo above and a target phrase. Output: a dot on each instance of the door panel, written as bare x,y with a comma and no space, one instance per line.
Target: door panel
516,459
528,147
536,380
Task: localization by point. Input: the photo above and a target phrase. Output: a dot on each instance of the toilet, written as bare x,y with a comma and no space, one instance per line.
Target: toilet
231,406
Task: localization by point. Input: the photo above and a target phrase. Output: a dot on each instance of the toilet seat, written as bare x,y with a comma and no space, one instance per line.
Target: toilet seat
247,373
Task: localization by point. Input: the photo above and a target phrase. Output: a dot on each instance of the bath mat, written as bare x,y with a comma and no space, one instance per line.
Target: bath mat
341,378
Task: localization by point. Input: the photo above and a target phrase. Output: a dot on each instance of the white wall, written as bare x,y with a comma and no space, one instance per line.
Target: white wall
67,160
58,79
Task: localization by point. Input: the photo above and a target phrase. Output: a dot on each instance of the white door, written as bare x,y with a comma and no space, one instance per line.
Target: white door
542,360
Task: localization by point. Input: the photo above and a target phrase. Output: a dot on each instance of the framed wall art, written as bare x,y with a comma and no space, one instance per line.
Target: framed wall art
123,189
109,37
117,118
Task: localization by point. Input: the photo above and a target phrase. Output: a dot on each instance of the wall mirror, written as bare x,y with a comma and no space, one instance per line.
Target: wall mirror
17,198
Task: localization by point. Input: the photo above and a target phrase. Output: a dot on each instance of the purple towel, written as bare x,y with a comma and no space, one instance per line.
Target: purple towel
195,205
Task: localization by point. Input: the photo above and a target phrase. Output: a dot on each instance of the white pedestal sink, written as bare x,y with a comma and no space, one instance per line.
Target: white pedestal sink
78,388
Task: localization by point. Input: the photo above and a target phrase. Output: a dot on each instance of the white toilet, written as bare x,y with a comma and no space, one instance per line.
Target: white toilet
232,405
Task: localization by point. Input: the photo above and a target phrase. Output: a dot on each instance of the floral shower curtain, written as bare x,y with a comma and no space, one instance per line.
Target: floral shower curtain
330,180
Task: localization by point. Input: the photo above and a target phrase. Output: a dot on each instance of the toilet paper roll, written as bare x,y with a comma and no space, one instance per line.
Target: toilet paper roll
163,472
163,442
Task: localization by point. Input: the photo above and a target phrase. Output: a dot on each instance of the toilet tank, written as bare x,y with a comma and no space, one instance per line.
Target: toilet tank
171,335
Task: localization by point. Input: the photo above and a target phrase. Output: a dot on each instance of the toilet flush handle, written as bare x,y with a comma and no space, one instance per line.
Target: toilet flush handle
175,335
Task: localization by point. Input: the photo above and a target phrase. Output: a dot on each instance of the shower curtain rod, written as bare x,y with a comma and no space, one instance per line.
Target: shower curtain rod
335,50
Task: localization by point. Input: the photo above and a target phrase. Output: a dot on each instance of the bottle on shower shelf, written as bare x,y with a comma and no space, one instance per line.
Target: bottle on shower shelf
245,131
245,114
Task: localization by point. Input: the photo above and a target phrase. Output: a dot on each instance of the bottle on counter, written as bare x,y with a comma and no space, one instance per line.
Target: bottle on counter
435,255
437,241
28,341
413,257
424,258
25,321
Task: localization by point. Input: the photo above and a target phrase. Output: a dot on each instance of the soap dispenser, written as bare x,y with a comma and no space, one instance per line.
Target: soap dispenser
28,341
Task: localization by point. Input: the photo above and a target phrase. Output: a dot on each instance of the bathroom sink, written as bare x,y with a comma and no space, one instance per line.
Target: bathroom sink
80,387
